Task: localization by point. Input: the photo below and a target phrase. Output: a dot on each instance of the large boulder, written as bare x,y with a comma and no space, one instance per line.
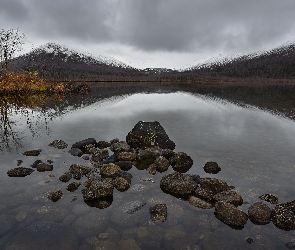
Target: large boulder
259,213
283,216
181,162
149,134
230,215
178,184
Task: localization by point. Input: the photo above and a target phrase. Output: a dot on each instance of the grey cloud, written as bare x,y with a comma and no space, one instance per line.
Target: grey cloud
13,10
184,25
158,25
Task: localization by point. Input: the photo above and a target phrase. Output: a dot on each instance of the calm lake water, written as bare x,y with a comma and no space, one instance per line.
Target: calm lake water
254,148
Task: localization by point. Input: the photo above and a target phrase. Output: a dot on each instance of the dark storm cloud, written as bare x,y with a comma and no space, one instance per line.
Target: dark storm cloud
13,10
156,25
184,25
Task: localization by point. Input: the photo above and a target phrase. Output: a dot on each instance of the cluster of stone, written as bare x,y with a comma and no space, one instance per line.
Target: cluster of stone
147,146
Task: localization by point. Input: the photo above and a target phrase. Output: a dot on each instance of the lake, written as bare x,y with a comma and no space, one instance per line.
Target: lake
254,148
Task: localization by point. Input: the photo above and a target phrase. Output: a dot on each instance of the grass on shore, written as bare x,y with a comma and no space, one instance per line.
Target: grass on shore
27,82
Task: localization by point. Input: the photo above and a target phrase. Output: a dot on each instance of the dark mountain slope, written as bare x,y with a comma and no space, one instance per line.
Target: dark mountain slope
53,61
276,63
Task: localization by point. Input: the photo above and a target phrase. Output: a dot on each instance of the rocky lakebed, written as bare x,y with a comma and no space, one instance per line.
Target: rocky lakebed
148,147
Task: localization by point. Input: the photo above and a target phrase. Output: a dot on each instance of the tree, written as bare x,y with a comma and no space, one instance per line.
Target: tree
11,41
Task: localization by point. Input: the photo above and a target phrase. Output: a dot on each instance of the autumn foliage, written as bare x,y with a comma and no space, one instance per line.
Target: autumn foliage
27,82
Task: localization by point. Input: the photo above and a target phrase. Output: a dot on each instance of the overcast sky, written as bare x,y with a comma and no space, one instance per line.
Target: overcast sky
154,33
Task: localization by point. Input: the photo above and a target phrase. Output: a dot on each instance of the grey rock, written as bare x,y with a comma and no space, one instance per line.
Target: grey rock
19,172
149,134
152,169
55,196
197,202
65,177
98,189
162,164
212,167
78,171
204,194
269,198
19,162
32,152
124,165
126,156
178,184
81,144
291,244
158,212
76,152
60,144
259,213
103,144
73,186
229,196
121,146
215,185
121,184
42,167
283,216
181,162
109,170
230,215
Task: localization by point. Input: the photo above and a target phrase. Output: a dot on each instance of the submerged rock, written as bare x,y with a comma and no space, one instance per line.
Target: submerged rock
215,185
230,215
81,144
197,202
32,152
44,235
149,134
212,167
60,144
283,216
178,184
65,177
269,198
158,212
230,196
55,196
259,213
181,162
76,152
73,186
19,172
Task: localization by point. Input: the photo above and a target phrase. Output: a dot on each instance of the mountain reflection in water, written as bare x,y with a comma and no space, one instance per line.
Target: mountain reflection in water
253,148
